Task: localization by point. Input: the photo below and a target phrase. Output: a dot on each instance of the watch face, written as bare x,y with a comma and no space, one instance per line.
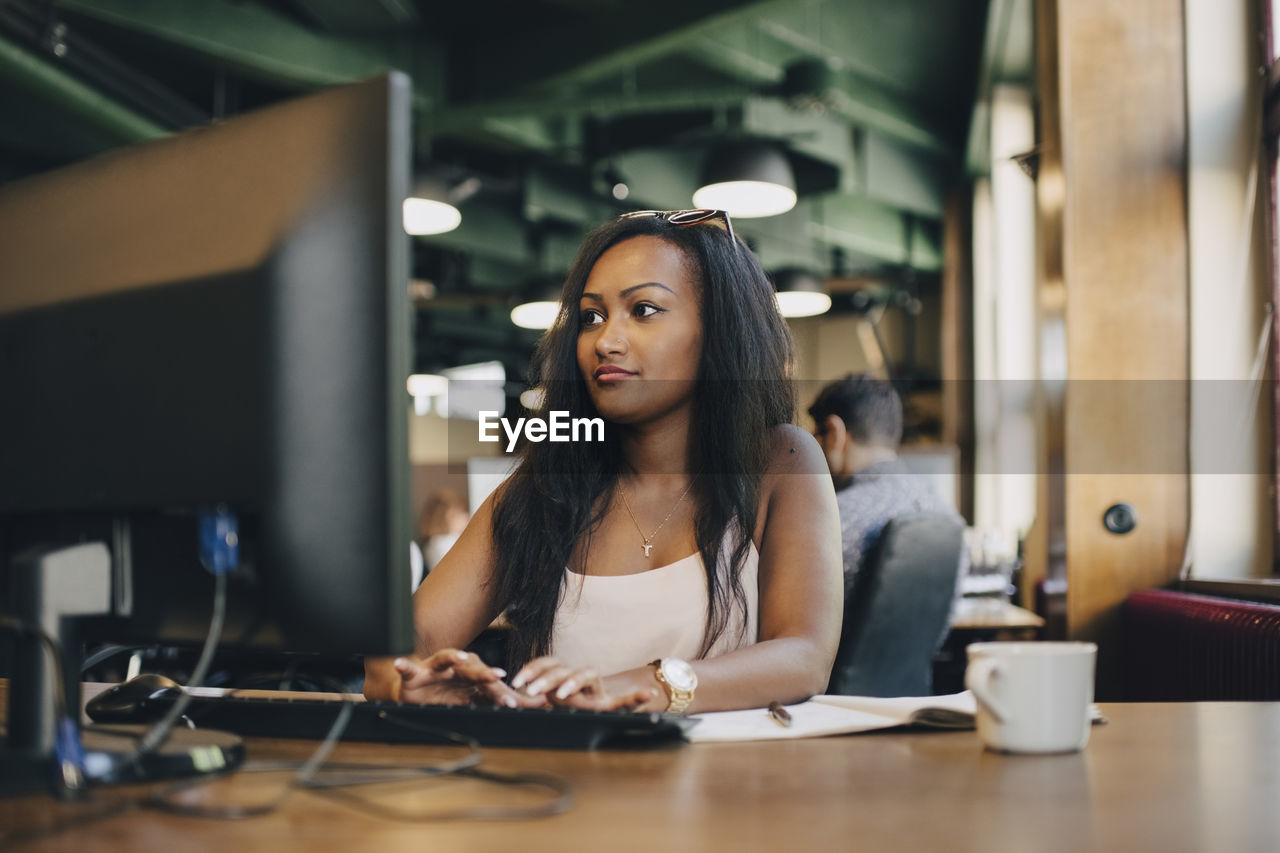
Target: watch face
679,674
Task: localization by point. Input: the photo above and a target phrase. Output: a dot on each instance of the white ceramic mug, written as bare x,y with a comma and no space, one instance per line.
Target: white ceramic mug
1034,696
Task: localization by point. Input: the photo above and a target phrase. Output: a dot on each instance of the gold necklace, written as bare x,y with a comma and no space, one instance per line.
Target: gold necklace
647,539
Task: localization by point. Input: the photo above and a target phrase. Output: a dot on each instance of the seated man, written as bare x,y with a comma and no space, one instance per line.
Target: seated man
858,422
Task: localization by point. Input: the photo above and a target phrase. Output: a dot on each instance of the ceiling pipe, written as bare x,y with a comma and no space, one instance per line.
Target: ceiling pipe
47,81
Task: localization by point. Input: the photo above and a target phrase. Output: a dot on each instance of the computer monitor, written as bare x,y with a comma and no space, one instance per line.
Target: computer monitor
220,320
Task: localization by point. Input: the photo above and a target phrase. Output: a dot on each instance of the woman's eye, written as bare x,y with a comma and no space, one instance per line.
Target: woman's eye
591,317
644,309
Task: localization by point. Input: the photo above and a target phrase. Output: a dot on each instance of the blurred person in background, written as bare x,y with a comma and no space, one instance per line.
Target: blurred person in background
858,423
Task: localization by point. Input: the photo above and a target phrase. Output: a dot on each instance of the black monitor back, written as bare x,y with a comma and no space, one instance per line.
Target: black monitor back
221,319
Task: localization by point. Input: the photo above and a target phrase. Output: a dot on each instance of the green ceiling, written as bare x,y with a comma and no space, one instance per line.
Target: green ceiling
533,99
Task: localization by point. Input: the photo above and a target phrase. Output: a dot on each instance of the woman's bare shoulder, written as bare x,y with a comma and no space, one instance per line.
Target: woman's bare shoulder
794,451
796,470
796,491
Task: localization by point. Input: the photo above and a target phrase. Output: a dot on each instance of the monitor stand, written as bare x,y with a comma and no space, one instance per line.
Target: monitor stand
47,749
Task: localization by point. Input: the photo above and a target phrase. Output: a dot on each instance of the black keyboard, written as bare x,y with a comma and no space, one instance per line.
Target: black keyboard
396,722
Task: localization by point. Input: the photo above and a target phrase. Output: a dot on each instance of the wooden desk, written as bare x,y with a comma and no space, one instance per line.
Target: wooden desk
1167,777
992,614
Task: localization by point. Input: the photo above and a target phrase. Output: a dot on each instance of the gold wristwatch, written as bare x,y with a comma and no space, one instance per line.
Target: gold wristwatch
680,680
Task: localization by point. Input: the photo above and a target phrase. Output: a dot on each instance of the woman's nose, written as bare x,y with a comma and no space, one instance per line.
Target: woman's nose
612,340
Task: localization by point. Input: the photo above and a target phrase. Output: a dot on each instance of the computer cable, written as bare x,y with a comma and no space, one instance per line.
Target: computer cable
307,775
317,776
561,800
219,550
68,751
218,535
106,653
165,799
371,774
158,734
313,775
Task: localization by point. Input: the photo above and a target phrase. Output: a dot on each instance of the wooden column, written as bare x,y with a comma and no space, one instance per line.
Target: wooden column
1121,140
957,338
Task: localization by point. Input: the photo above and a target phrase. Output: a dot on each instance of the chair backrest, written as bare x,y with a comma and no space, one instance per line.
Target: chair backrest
896,615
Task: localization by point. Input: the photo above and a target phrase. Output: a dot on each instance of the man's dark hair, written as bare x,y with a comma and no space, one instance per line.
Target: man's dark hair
869,407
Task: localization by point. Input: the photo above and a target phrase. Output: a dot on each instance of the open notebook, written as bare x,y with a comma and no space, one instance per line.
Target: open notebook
836,715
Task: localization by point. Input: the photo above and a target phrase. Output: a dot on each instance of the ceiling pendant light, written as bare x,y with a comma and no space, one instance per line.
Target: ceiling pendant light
539,314
424,216
540,311
800,293
746,179
428,210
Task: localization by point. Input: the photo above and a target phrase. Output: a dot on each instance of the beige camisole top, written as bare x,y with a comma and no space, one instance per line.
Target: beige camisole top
619,622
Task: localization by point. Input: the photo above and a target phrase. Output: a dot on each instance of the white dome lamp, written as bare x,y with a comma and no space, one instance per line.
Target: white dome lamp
800,293
540,311
429,209
747,178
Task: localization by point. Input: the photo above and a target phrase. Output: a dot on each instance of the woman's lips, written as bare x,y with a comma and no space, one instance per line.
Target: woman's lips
612,374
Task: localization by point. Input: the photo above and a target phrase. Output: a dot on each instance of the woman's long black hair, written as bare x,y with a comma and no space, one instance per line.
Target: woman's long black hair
743,389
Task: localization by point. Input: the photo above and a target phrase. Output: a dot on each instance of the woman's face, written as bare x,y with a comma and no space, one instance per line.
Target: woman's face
641,333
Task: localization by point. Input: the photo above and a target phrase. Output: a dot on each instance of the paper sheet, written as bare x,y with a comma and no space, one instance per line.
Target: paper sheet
833,715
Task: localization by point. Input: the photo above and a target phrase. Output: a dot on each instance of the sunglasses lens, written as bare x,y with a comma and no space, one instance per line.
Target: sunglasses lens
691,217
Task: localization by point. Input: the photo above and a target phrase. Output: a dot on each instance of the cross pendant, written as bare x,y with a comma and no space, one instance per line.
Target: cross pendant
647,548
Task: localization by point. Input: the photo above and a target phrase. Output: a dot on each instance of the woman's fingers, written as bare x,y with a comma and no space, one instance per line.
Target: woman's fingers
547,676
632,701
444,665
446,659
635,699
574,688
502,694
534,670
414,673
469,667
548,680
541,681
585,680
600,701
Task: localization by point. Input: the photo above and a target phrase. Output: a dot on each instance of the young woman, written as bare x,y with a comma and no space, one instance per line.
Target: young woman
690,561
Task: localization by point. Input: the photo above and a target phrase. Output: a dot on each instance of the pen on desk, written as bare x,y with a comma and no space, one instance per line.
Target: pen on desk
779,714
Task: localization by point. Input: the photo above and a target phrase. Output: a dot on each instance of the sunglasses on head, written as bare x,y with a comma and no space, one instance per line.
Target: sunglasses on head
687,217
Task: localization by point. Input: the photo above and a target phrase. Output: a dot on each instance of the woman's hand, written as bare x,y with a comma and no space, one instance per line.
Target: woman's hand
547,679
453,677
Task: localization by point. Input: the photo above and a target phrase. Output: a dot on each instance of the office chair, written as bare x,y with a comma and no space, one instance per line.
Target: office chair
896,615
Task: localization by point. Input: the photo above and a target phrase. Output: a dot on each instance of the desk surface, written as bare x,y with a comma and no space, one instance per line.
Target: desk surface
991,613
1168,777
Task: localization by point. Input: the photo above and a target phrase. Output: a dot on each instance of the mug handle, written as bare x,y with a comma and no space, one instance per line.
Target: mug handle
976,678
